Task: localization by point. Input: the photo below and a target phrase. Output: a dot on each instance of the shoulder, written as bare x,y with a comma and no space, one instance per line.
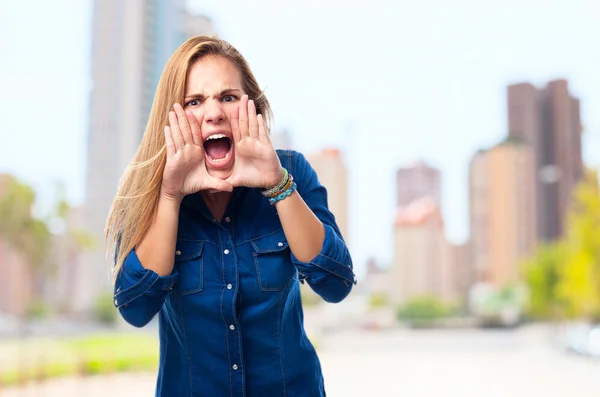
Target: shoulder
293,160
297,165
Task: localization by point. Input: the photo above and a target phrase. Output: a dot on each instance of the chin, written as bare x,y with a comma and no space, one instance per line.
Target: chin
221,174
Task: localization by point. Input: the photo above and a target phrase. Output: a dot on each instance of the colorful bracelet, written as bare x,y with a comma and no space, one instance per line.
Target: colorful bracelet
277,188
283,194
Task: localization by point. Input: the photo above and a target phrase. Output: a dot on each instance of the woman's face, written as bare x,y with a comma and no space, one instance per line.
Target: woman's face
214,89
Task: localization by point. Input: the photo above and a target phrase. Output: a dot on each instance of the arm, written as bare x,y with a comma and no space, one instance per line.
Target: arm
147,274
158,246
305,232
318,249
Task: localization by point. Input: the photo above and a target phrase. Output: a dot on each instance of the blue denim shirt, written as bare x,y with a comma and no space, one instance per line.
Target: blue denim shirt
230,314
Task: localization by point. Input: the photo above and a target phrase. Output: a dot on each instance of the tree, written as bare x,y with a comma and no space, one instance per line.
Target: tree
564,277
542,277
27,235
579,277
31,236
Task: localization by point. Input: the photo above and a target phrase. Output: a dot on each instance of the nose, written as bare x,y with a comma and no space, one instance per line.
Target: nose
213,111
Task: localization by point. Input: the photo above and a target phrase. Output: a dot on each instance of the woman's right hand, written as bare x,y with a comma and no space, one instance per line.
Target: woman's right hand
185,171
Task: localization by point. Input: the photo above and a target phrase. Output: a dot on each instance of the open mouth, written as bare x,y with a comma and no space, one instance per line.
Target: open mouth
218,147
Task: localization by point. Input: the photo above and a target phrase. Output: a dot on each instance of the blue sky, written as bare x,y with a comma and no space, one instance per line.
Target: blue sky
389,82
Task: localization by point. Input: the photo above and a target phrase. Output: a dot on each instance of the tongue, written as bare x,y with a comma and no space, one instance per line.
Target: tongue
217,148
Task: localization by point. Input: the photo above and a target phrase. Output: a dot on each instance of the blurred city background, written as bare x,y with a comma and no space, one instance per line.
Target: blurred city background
459,142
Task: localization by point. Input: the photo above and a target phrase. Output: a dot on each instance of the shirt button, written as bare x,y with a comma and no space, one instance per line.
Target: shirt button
280,244
235,367
227,219
226,252
229,286
116,303
177,252
232,327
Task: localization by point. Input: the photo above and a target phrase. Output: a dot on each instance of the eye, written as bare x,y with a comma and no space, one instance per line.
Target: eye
229,98
193,102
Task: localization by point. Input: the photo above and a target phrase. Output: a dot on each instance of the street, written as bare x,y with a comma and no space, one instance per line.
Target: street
465,363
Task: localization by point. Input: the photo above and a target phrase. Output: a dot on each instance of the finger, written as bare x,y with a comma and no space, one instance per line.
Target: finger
184,126
195,126
252,123
235,124
169,142
244,117
218,184
175,132
263,134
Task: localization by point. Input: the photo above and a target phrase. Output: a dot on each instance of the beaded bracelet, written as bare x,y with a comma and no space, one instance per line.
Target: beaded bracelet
274,190
283,195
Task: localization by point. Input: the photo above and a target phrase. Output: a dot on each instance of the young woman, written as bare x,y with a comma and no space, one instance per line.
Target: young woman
214,230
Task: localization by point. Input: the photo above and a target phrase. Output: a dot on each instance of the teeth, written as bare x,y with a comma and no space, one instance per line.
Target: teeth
216,136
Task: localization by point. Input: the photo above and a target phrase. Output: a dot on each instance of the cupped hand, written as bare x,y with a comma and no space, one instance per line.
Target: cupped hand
256,161
185,171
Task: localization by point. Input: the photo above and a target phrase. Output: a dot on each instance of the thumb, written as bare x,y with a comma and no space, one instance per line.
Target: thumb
218,184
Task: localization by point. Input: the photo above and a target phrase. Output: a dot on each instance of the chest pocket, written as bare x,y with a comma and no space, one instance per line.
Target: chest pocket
272,257
189,262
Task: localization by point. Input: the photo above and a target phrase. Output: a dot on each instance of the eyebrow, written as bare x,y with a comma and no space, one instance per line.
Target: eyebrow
223,92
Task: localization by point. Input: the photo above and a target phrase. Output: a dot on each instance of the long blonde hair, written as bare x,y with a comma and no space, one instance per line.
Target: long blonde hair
136,202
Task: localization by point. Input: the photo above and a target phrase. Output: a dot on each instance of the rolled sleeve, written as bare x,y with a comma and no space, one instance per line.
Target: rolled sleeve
140,292
334,260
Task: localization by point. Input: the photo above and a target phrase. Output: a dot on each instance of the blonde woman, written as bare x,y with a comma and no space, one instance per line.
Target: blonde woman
214,230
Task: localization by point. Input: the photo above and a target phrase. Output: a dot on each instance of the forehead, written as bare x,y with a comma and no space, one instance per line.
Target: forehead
211,74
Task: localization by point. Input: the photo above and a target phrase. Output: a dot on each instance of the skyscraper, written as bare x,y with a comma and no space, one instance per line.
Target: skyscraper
502,211
549,120
417,181
420,248
332,174
132,41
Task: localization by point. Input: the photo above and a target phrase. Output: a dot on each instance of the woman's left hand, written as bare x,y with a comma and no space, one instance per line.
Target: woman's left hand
256,162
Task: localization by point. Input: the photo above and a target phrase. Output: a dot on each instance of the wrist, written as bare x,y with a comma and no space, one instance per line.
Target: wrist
279,180
171,198
272,188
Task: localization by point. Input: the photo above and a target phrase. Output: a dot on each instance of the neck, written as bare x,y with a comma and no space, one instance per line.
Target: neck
216,202
215,198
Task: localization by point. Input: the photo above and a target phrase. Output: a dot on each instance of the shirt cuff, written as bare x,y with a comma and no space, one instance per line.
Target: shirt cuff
135,281
334,259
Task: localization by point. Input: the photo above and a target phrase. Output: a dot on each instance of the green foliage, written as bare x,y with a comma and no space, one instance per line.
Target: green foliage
31,236
542,277
579,277
378,300
424,308
90,355
104,311
564,277
26,234
38,309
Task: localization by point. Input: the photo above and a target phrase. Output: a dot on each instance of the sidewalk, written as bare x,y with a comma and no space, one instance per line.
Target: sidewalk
440,363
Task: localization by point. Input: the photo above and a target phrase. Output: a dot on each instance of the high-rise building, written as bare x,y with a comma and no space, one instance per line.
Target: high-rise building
417,181
502,211
332,174
132,41
549,120
419,250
